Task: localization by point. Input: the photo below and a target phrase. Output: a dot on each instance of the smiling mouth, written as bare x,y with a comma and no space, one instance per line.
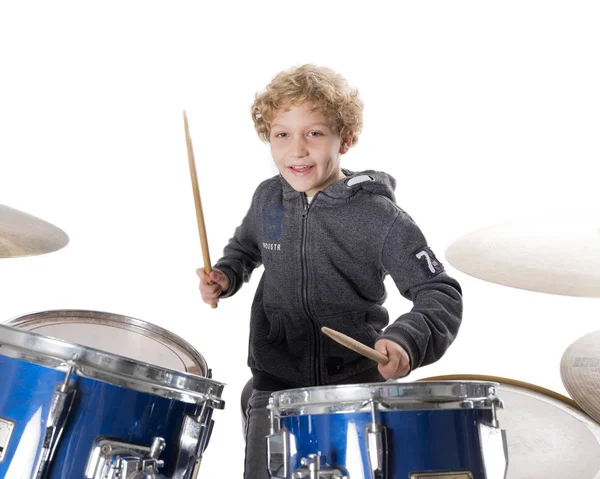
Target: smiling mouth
301,170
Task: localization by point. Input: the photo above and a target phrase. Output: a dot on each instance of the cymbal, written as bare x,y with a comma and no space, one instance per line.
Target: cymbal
557,256
22,234
580,373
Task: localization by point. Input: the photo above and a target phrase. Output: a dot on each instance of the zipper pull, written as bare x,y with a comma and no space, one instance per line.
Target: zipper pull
305,211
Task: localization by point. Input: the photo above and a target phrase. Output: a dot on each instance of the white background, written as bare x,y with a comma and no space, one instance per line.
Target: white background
483,111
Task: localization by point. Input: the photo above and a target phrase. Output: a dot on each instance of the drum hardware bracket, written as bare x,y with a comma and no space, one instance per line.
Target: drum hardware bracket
193,440
278,447
311,469
371,404
278,454
377,451
111,459
60,407
6,428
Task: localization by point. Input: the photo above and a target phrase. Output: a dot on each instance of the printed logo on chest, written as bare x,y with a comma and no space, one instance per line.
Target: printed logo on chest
272,227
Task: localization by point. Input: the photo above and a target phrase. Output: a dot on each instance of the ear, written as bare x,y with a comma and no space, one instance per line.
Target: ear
346,143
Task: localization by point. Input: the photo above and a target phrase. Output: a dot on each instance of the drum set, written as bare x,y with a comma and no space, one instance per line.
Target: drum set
95,395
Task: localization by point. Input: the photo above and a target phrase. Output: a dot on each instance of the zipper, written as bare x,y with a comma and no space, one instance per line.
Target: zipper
305,287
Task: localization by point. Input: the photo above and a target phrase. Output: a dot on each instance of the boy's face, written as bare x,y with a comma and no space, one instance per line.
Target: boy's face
306,149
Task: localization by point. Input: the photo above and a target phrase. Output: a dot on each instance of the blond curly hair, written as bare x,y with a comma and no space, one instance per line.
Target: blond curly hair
320,88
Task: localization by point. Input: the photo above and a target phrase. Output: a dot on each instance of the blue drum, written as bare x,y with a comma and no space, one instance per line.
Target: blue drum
95,395
392,430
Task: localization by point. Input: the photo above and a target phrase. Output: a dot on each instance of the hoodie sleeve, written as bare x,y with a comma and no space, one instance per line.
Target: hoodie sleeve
242,253
430,327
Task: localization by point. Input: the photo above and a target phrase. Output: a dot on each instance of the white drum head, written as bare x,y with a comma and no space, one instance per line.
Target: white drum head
116,334
547,437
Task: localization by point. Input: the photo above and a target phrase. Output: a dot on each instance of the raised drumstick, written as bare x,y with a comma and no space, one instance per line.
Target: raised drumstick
197,201
355,346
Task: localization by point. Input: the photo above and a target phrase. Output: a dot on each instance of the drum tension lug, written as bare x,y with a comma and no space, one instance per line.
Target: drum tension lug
377,448
60,408
494,448
195,434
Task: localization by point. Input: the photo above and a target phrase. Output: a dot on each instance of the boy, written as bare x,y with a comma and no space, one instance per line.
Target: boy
327,238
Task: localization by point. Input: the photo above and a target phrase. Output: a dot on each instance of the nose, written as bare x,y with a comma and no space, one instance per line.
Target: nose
298,147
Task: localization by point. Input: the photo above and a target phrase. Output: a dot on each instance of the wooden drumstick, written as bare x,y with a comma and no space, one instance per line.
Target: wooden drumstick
197,200
355,346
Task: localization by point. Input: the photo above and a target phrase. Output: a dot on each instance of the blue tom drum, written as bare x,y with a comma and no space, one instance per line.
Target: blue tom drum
96,395
391,430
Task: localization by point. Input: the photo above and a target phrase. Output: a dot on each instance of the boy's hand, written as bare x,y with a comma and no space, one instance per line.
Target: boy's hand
211,286
398,365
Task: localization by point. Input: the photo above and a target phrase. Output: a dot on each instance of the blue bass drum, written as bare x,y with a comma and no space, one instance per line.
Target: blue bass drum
95,395
392,430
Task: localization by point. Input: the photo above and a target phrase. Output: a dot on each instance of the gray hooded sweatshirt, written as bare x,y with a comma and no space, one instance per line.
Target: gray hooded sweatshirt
325,265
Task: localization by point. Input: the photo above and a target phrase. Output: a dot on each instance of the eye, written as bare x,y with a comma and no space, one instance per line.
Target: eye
281,135
315,133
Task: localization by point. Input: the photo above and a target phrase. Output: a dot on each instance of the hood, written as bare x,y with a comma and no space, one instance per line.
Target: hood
376,182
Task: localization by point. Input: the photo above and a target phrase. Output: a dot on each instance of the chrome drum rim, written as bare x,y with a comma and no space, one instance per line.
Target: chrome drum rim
388,396
109,367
